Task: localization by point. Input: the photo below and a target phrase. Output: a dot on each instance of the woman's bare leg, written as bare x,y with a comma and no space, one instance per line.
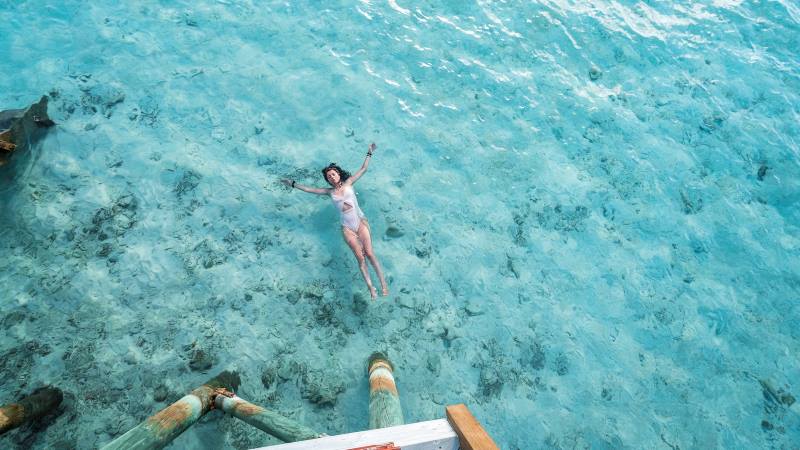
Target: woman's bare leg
366,240
352,240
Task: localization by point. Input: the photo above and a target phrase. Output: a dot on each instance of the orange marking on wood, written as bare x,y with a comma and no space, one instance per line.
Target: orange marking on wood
386,446
170,418
248,409
382,384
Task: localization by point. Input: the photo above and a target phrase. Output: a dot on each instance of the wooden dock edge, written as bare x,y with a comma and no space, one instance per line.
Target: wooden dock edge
470,433
429,435
460,431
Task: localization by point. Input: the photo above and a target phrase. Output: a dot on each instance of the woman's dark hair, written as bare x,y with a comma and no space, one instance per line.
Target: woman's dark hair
343,174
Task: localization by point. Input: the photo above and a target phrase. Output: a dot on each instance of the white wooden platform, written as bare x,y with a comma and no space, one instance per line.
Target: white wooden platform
430,435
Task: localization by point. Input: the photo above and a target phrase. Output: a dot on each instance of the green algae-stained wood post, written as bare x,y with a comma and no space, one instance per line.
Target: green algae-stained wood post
160,429
29,408
384,401
271,422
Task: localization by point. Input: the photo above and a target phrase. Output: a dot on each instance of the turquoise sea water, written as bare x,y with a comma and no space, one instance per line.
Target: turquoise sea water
596,205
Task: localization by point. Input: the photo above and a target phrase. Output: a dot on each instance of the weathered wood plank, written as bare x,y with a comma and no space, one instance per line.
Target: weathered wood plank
430,435
470,432
159,430
271,422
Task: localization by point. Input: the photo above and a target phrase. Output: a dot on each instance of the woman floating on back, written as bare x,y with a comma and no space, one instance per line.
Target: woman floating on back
355,227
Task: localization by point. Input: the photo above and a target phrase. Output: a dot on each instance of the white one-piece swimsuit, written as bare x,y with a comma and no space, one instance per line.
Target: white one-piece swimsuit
348,208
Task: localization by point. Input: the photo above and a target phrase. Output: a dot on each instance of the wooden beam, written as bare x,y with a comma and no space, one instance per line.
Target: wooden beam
159,430
429,435
29,408
470,432
271,422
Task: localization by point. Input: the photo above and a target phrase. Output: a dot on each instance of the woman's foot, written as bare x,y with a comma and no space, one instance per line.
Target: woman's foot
384,291
372,292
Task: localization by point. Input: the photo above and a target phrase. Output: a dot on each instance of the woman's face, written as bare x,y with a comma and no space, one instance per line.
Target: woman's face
332,176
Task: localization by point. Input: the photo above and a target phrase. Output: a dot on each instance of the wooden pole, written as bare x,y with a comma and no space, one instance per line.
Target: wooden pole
271,422
29,408
384,401
160,429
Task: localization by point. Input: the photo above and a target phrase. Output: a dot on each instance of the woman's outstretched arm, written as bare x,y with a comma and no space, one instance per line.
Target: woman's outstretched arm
295,185
353,178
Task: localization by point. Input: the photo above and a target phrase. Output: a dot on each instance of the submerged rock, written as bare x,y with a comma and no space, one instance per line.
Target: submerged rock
188,182
269,376
474,307
510,267
434,363
80,359
533,356
20,127
491,381
201,361
100,235
595,73
563,218
692,201
360,303
17,362
561,364
100,98
394,232
496,369
775,398
160,393
14,318
322,388
288,369
406,301
206,254
711,123
762,172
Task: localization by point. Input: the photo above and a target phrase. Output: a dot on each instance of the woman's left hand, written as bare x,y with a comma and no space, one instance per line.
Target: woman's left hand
372,147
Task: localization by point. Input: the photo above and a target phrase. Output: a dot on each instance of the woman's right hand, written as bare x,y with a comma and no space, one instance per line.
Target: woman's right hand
287,182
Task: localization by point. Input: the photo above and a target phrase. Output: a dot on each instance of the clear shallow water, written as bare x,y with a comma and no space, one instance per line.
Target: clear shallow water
608,262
